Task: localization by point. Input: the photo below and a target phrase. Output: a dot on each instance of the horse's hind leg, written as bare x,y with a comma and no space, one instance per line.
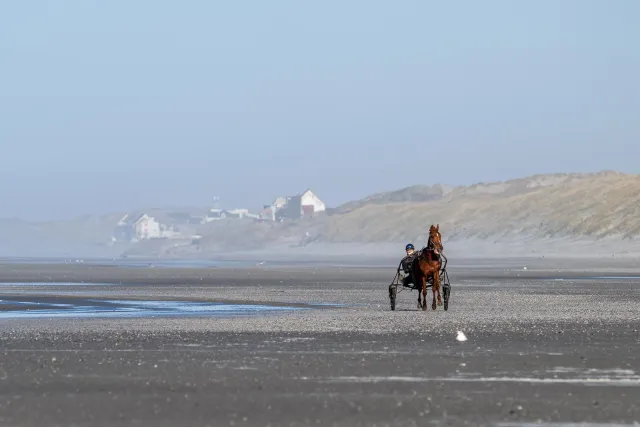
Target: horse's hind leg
418,279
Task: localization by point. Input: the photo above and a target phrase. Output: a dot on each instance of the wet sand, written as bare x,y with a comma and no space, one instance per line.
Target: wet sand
544,345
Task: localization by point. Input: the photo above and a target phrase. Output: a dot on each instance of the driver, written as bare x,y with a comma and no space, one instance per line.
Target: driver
406,263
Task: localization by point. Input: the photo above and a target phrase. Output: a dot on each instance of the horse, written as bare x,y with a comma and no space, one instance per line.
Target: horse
428,264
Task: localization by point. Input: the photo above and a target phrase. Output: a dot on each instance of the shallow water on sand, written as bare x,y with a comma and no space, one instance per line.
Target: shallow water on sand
13,308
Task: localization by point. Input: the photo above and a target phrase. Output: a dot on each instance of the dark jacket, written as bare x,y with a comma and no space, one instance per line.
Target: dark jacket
406,263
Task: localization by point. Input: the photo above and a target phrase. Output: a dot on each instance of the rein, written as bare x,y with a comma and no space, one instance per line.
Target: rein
430,248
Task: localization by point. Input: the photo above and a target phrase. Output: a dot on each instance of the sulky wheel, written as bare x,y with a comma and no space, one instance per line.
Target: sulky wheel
393,290
446,290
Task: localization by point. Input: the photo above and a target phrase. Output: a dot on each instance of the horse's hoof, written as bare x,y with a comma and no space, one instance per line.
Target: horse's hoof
433,306
439,302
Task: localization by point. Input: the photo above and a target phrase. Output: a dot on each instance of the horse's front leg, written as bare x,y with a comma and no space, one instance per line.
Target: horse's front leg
436,289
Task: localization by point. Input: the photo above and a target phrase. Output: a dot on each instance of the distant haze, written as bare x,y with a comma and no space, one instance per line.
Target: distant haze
112,105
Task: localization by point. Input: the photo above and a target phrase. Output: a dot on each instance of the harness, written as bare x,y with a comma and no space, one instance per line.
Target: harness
407,261
430,247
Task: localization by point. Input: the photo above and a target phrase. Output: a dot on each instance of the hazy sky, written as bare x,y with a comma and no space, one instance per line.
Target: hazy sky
109,105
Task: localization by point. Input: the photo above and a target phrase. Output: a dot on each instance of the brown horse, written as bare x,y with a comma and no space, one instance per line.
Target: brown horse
428,264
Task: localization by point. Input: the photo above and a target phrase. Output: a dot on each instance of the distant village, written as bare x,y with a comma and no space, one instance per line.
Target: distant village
139,226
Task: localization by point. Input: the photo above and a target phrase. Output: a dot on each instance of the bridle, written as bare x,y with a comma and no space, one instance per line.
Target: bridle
431,247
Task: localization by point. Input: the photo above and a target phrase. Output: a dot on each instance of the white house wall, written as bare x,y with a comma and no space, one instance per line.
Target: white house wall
148,228
309,198
279,202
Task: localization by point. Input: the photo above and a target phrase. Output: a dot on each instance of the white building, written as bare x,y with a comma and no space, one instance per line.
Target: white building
308,199
279,203
303,205
215,214
238,213
136,227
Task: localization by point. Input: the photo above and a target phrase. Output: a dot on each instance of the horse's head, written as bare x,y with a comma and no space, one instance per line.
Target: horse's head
435,239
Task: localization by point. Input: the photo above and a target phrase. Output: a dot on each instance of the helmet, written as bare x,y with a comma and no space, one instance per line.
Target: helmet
408,247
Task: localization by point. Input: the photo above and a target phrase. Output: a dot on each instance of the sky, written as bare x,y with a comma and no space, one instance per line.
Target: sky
116,105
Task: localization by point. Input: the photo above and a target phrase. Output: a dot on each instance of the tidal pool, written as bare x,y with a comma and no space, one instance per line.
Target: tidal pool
15,307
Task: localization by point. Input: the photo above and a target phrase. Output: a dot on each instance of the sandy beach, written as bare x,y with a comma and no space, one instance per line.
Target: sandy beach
544,344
